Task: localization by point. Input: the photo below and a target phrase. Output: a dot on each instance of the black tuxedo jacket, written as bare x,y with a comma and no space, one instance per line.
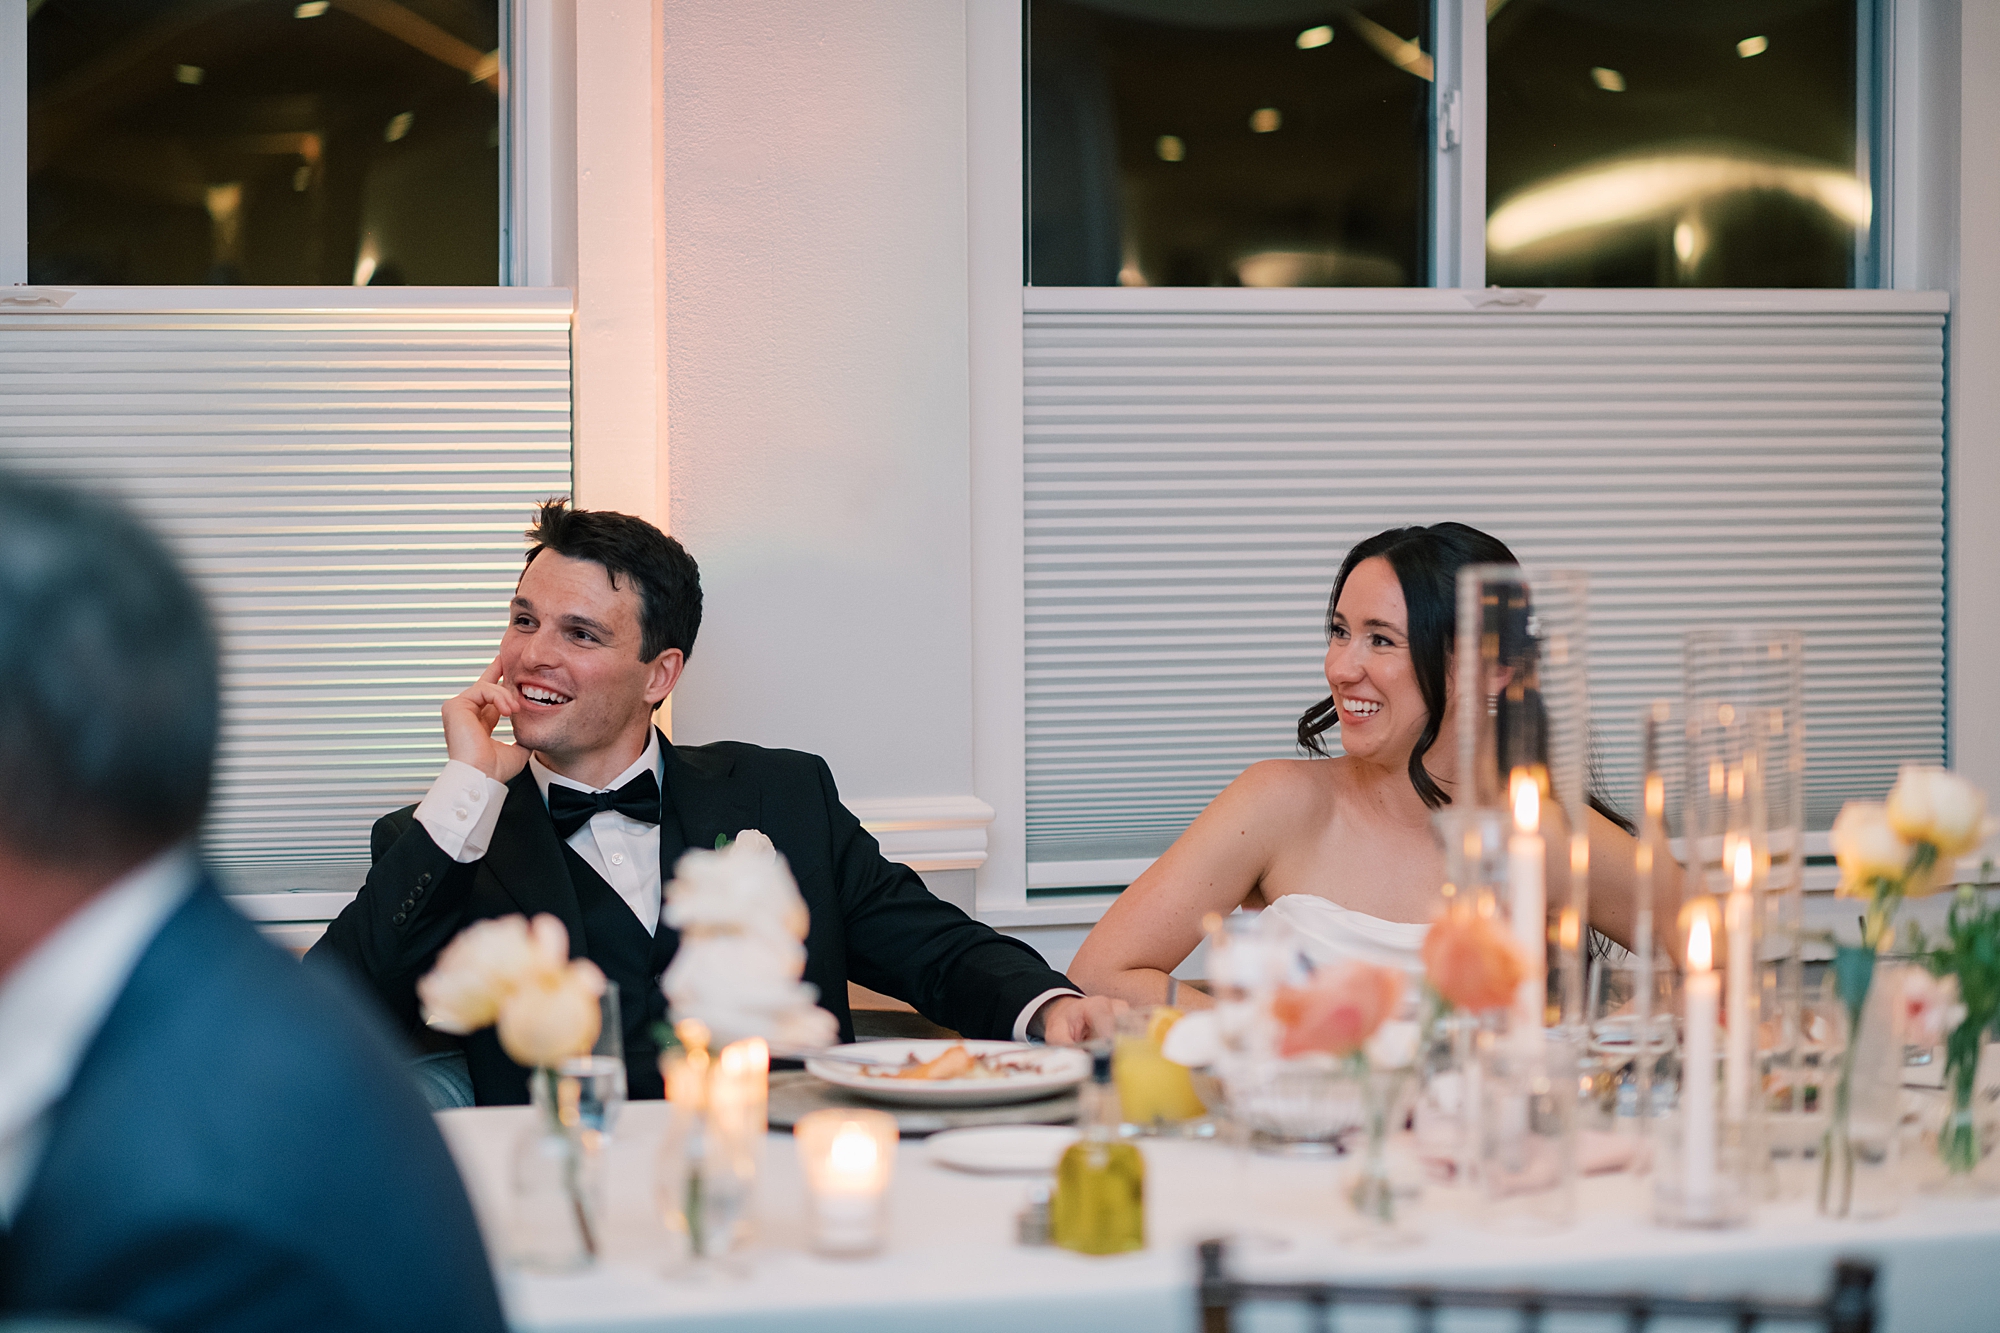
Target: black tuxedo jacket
872,920
240,1151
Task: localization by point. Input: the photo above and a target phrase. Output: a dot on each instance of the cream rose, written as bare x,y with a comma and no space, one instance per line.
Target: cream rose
553,1015
745,886
1867,847
1938,807
475,973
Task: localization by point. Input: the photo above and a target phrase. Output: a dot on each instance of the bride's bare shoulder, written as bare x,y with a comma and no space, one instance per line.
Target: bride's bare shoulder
1288,785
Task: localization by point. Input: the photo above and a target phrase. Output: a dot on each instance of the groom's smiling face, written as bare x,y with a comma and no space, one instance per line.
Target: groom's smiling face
571,655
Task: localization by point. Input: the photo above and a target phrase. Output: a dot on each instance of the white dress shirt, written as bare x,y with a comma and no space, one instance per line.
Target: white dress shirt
55,1000
462,809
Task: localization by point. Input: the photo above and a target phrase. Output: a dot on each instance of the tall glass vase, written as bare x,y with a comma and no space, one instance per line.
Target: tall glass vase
1858,1151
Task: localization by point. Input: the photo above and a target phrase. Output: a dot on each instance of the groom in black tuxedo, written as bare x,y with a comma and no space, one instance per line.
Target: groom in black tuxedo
585,814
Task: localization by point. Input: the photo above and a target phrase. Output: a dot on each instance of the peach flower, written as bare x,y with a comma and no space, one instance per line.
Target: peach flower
1472,962
1338,1010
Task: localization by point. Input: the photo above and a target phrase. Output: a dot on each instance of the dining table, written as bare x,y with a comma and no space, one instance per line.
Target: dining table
953,1259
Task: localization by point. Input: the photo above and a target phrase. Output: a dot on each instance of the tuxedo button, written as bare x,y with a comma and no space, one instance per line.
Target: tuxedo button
409,903
618,858
398,919
424,878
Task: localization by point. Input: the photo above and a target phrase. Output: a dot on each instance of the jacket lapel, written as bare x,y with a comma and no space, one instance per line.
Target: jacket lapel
708,799
526,858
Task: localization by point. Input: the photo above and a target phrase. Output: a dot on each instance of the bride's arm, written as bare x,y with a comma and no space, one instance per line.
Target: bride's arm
1614,885
1155,924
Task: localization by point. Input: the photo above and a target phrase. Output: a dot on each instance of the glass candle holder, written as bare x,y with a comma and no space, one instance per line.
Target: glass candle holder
710,1156
849,1156
1521,653
1727,857
1759,675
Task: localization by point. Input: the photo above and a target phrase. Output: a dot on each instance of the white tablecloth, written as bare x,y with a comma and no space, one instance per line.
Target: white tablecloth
952,1262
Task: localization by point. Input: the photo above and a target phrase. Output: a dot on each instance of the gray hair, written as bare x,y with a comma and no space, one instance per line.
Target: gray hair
111,700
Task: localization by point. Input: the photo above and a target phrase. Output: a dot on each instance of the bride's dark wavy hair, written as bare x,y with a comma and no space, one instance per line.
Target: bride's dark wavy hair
1426,561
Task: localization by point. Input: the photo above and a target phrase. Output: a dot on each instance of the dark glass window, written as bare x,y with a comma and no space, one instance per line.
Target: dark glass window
263,141
1701,143
1197,143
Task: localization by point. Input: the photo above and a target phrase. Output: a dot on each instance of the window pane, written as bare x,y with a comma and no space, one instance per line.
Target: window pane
263,141
1199,143
1709,143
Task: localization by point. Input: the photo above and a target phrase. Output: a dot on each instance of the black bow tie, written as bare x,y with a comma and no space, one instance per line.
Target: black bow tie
571,809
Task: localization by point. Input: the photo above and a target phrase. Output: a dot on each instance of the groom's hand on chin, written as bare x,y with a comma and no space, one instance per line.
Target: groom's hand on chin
1070,1020
469,720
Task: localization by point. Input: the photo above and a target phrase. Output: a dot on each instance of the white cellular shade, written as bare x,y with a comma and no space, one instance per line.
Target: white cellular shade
348,485
1194,477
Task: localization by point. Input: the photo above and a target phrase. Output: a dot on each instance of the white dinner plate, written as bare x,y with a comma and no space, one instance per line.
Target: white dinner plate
1042,1071
1002,1150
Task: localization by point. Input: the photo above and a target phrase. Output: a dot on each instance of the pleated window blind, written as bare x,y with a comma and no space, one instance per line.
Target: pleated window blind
1194,476
348,483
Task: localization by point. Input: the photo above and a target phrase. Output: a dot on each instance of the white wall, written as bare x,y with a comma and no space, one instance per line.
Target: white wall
816,349
1973,422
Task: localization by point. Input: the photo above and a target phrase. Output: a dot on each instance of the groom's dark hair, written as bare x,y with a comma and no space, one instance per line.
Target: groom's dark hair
665,575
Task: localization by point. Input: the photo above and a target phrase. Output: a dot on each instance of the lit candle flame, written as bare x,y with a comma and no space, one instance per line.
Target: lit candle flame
1527,797
1743,864
852,1153
1656,795
1701,951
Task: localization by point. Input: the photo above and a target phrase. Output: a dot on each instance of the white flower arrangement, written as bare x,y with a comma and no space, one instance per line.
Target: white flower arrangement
742,953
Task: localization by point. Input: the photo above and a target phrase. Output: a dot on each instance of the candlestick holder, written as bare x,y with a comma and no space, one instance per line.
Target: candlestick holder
1759,673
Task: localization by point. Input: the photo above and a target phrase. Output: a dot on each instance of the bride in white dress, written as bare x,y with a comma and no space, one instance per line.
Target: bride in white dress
1342,848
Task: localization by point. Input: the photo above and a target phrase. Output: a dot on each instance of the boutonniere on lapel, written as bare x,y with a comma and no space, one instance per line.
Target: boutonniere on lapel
742,953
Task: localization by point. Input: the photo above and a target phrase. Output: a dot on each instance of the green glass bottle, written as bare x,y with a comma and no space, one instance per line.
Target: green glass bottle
1100,1200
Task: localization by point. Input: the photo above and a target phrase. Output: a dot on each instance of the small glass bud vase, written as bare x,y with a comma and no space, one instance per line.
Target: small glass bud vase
1858,1155
706,1177
557,1181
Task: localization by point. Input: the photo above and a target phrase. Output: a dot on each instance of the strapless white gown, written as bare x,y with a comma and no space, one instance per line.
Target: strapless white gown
1328,933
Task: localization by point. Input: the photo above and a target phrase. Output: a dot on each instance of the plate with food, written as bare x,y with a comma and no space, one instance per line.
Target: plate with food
951,1073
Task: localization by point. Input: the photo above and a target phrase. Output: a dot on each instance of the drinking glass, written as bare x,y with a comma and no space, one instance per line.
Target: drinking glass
600,1076
1628,1079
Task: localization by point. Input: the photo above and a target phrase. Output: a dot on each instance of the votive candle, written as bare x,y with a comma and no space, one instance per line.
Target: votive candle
849,1157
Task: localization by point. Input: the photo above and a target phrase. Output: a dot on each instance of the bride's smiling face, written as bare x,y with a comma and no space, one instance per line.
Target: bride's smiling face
1368,666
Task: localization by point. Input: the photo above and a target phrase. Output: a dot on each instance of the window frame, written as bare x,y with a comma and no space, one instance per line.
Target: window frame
537,114
1898,46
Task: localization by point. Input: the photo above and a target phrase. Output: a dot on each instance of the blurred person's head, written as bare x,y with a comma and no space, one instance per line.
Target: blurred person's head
109,714
601,623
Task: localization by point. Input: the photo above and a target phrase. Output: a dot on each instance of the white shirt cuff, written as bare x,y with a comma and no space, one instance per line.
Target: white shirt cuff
1035,1007
461,810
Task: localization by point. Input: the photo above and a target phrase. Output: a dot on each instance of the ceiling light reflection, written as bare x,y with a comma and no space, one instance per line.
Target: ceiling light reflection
1169,148
1622,191
311,9
1404,55
1313,37
189,74
1753,46
1610,80
1266,120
